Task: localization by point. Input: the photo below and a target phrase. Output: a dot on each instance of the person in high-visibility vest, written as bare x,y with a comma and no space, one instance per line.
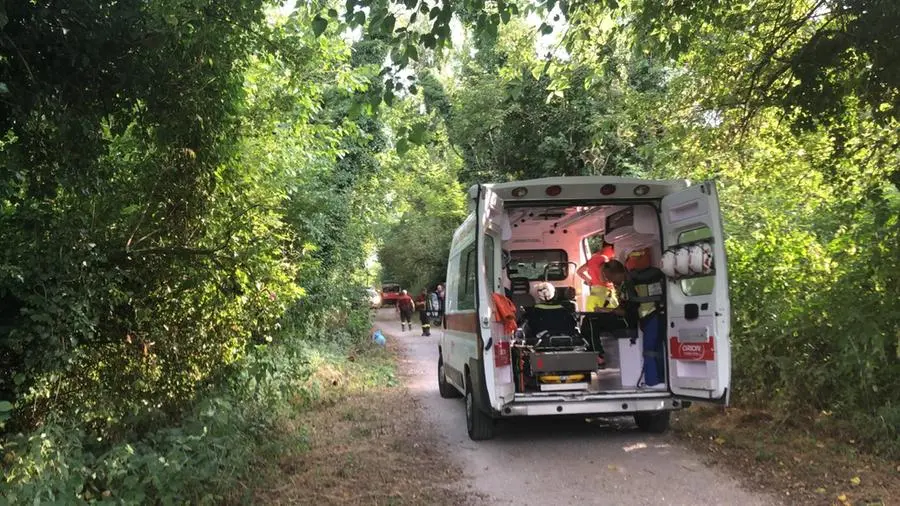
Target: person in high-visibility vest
627,290
602,293
641,292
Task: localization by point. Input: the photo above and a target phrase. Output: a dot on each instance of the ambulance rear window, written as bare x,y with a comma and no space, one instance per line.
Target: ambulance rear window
530,264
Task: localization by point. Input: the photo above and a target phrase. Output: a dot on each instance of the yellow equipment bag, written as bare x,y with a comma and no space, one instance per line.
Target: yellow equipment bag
555,378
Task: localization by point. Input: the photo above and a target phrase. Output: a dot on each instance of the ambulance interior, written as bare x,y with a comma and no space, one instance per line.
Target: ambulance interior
549,244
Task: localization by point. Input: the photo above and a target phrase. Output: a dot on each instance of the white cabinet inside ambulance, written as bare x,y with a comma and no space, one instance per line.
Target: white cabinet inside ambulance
653,344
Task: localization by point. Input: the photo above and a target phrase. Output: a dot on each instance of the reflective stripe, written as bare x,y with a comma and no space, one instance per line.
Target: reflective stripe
647,307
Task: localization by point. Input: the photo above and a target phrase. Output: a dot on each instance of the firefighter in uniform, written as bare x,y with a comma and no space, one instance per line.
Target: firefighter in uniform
405,306
422,308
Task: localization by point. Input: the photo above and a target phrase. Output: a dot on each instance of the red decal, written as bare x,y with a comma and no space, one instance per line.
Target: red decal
692,351
540,363
501,354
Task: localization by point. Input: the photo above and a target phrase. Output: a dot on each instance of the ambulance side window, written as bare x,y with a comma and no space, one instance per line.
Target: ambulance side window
489,261
696,286
468,269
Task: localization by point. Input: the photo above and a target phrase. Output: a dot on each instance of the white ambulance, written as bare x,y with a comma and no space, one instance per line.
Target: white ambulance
669,349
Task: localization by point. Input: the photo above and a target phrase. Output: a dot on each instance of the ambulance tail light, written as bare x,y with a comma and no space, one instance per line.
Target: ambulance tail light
501,354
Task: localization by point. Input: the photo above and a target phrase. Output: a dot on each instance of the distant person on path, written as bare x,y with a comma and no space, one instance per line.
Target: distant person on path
439,291
433,309
422,308
405,306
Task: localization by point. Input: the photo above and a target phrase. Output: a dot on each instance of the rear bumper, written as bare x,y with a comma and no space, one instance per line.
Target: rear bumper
604,407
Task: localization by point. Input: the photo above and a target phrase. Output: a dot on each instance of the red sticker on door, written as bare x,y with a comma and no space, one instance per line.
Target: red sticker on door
692,351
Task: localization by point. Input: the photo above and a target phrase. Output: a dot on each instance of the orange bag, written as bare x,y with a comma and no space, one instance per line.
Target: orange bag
506,312
638,259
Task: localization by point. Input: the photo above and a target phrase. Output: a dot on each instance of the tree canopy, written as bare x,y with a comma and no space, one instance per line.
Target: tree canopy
190,188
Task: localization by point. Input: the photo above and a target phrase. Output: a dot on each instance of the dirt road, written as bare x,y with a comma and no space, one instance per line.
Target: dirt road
558,461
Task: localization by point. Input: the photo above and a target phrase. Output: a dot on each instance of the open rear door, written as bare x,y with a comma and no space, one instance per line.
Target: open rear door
492,229
699,312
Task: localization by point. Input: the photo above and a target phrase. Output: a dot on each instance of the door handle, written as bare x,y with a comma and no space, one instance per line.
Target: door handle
691,311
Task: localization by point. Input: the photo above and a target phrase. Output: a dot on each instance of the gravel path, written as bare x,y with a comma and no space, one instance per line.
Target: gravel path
562,461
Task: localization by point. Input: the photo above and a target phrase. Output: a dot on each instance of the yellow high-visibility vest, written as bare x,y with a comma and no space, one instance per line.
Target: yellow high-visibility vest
646,290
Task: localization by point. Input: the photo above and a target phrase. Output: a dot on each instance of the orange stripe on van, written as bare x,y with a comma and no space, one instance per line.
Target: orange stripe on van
465,322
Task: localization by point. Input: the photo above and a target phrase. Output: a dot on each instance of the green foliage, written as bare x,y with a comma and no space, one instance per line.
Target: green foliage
176,189
804,54
427,203
717,90
134,269
204,458
517,117
192,194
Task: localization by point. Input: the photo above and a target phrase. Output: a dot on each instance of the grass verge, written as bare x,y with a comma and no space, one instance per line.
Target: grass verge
207,455
364,443
802,466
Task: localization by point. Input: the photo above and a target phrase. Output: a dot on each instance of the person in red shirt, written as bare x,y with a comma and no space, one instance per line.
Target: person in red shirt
600,288
592,270
405,306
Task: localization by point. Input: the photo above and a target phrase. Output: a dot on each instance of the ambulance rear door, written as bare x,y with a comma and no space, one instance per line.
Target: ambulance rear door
492,227
698,308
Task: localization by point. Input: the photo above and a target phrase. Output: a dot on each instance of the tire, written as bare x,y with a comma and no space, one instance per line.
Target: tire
447,390
478,424
654,423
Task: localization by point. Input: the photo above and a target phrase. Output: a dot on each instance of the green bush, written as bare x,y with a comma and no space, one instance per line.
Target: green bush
204,456
814,269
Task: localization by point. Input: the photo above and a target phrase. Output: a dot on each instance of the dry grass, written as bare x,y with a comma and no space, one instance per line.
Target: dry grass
366,444
783,459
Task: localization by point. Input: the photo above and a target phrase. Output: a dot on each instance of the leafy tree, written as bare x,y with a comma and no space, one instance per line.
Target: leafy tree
793,197
789,106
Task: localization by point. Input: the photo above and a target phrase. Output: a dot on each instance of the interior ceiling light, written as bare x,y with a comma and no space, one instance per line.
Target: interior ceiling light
520,192
608,189
554,190
641,190
575,217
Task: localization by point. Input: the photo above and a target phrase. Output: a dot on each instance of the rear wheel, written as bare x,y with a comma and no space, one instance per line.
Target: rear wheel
478,424
655,423
447,390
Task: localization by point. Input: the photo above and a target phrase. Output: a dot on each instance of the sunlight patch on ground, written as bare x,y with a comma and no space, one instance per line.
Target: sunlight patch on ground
636,446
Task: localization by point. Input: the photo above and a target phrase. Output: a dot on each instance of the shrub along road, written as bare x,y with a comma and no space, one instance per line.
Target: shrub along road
561,461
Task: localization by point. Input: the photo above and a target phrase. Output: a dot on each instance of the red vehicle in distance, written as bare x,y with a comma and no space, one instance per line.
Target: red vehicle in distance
390,292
